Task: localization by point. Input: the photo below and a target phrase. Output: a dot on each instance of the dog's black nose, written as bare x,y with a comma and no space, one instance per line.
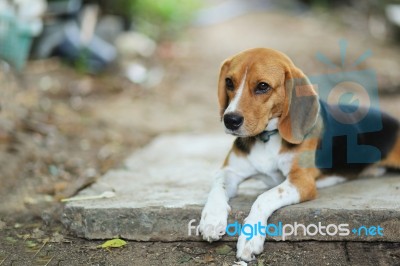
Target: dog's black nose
233,121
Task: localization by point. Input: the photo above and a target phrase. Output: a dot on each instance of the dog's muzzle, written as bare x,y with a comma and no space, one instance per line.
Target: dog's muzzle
233,121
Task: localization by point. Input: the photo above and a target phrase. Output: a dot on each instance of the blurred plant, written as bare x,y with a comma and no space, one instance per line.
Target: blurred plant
82,63
163,19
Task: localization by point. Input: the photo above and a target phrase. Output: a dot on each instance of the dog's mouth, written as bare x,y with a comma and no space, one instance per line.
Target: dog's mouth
236,133
270,126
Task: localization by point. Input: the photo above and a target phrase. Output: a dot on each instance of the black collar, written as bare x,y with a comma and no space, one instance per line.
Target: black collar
266,134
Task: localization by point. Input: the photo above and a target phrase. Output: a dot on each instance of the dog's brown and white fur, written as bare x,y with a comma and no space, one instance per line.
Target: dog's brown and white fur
256,93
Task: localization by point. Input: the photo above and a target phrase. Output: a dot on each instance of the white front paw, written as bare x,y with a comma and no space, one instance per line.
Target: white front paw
213,221
249,246
247,249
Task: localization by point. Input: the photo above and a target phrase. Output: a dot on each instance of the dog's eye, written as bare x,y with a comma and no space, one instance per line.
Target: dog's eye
262,87
229,84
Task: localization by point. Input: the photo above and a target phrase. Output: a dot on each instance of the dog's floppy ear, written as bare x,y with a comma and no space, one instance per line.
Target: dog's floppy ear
222,94
300,109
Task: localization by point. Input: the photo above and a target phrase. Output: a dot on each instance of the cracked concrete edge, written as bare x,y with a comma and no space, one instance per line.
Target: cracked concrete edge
171,224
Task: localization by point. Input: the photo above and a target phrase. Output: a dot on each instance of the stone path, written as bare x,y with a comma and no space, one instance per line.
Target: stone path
163,187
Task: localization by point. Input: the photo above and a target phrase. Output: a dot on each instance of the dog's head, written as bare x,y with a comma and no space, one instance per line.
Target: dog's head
260,84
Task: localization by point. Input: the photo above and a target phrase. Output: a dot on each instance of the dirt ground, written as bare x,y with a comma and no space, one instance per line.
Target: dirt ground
60,130
30,245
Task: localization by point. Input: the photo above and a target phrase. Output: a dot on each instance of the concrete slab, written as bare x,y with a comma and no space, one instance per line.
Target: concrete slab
164,186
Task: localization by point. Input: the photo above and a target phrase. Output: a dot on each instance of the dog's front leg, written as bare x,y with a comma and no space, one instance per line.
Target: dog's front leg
298,187
215,212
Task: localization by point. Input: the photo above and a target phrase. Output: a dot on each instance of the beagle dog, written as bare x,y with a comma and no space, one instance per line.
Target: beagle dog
285,133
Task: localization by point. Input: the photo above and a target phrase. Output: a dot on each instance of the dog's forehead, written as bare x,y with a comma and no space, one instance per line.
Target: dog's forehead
258,62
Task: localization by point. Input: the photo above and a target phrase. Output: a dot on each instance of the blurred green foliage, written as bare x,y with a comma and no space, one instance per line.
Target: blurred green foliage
162,19
159,19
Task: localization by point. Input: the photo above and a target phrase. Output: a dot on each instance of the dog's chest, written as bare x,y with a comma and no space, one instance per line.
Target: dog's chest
266,159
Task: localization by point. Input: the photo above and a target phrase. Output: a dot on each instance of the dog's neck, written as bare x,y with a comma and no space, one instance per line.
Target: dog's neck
266,134
270,129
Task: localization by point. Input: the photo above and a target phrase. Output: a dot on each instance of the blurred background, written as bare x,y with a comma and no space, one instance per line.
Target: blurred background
85,83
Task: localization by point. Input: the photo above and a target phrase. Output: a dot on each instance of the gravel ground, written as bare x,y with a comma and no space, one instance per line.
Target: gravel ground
34,244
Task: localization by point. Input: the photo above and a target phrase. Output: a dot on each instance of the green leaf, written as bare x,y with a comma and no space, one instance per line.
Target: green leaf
30,244
184,258
223,250
113,243
11,239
